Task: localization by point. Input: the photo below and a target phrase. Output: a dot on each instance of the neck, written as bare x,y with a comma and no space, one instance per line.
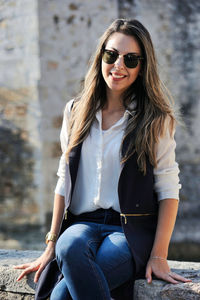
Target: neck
114,101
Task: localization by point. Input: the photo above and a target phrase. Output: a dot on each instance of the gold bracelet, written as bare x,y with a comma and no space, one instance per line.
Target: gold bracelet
51,237
158,257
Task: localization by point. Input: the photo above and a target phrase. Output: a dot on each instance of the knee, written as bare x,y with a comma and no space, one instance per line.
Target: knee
71,249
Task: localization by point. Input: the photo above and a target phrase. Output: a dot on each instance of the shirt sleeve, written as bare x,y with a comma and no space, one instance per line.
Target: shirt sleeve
60,186
166,173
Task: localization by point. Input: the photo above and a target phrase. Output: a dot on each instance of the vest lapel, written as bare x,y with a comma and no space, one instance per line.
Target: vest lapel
74,158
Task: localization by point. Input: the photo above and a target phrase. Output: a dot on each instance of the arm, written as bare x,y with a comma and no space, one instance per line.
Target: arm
166,220
58,211
158,259
167,187
39,264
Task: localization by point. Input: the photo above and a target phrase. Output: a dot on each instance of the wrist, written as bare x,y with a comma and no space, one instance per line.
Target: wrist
50,248
159,251
158,258
50,252
51,237
162,253
51,245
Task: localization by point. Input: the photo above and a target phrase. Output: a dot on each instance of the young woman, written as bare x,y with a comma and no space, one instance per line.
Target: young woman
118,179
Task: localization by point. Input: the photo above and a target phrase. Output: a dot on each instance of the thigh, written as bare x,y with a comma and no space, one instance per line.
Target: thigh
115,259
78,238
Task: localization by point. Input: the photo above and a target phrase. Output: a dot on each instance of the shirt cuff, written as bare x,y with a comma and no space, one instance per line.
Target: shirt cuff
169,194
60,187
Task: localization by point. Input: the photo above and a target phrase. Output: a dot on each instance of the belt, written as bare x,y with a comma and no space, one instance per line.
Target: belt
121,215
135,215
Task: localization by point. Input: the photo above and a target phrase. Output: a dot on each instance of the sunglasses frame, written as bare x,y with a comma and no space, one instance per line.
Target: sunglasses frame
124,58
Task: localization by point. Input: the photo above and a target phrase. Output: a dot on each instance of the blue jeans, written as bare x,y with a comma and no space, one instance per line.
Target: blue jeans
94,258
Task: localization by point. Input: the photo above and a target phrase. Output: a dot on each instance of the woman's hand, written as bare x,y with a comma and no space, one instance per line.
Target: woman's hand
39,264
159,267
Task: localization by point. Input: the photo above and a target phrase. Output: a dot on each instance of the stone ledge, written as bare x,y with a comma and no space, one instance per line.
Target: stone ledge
10,289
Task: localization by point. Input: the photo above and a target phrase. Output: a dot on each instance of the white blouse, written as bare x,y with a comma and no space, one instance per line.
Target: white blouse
99,168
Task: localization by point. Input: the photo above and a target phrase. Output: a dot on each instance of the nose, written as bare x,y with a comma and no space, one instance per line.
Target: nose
119,63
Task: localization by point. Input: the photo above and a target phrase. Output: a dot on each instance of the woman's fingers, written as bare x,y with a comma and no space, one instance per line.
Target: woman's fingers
168,278
25,272
38,273
179,277
28,269
148,274
24,266
173,277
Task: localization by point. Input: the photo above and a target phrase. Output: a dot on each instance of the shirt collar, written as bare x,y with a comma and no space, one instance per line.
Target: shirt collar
129,111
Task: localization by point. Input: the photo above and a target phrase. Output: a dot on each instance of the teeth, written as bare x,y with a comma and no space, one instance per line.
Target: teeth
117,76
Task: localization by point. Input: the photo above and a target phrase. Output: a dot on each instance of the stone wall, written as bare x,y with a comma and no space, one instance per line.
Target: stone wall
20,141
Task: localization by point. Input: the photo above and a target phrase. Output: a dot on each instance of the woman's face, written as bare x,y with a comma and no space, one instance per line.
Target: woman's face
118,76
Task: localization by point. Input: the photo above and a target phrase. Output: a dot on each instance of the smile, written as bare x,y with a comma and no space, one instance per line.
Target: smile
117,76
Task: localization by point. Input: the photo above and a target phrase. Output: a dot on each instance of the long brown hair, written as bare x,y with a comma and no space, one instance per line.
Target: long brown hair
154,104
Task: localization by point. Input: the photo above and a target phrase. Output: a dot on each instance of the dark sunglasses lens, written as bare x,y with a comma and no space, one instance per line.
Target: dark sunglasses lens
131,61
109,57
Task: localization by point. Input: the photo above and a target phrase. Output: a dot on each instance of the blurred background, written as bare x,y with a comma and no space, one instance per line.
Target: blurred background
45,48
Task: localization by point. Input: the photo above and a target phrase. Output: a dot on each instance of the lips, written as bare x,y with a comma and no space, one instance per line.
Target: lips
117,76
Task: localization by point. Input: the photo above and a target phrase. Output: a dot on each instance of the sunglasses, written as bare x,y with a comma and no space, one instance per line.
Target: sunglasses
130,59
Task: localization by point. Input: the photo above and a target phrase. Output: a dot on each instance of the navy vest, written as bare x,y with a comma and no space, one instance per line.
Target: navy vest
136,197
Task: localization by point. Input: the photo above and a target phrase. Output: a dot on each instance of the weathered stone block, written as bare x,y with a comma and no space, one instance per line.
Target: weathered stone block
15,296
10,289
